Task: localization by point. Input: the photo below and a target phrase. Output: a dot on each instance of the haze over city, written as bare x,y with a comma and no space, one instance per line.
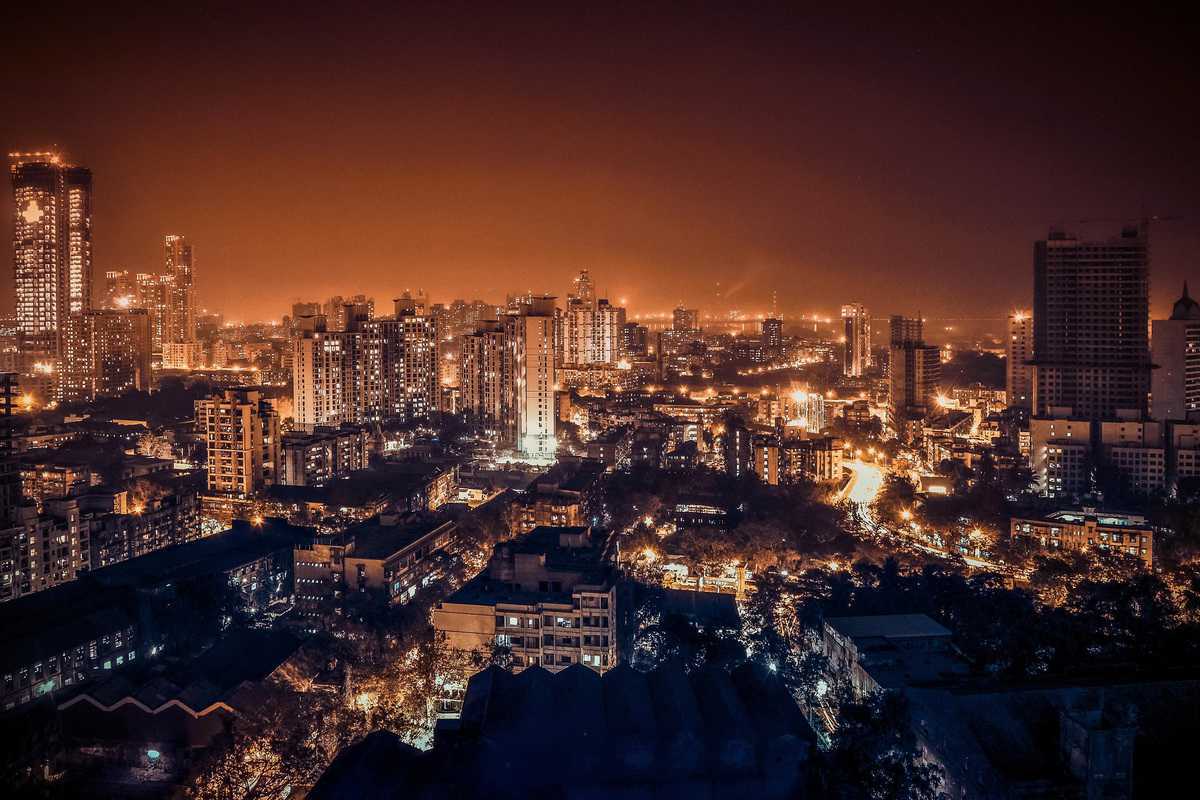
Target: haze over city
576,401
375,149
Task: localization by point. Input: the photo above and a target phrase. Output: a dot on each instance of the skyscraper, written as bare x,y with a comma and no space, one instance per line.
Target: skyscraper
181,297
1018,374
857,334
1091,321
52,255
1175,384
914,373
529,355
52,240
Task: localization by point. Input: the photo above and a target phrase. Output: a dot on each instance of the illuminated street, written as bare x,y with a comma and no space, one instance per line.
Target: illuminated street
865,482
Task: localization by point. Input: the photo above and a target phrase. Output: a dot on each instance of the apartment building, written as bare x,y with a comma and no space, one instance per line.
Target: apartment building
549,597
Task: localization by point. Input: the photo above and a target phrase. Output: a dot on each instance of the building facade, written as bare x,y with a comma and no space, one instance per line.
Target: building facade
856,333
1018,372
1091,325
529,353
1175,383
241,431
548,598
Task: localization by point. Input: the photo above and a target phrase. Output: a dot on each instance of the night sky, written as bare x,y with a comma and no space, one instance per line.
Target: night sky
907,163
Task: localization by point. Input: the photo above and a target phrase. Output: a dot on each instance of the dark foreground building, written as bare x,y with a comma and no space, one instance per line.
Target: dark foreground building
575,733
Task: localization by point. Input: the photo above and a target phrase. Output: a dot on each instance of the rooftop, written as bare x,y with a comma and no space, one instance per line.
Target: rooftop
887,626
211,555
378,539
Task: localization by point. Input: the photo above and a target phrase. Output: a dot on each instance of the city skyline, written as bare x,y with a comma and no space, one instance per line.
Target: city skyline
543,152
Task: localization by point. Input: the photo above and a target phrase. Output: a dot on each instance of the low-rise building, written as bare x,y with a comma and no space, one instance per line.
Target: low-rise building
549,597
1089,529
314,459
384,554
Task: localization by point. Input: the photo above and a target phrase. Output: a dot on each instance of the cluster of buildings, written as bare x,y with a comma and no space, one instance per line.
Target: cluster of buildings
1105,388
67,343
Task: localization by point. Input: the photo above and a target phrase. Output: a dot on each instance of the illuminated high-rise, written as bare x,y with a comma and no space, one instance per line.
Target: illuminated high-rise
1018,373
241,431
52,256
52,241
482,378
529,355
377,369
856,324
180,317
1091,325
118,349
591,334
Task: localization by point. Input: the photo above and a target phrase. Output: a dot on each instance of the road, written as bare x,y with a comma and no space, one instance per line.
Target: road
866,479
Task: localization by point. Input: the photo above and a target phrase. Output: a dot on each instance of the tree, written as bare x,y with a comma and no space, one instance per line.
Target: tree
875,755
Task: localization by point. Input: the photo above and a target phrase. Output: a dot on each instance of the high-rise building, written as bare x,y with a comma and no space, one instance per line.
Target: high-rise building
685,320
856,323
241,430
529,356
1018,373
52,241
118,350
914,372
635,340
772,333
400,366
591,334
325,391
1091,324
482,376
153,293
585,290
52,256
1175,347
180,320
376,369
120,291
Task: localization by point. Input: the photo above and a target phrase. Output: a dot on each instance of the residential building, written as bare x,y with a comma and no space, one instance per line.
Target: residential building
482,378
241,431
529,356
1060,455
314,459
665,733
383,555
1018,371
685,320
549,597
180,323
794,460
1089,529
772,334
1175,353
52,253
590,329
856,335
886,652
